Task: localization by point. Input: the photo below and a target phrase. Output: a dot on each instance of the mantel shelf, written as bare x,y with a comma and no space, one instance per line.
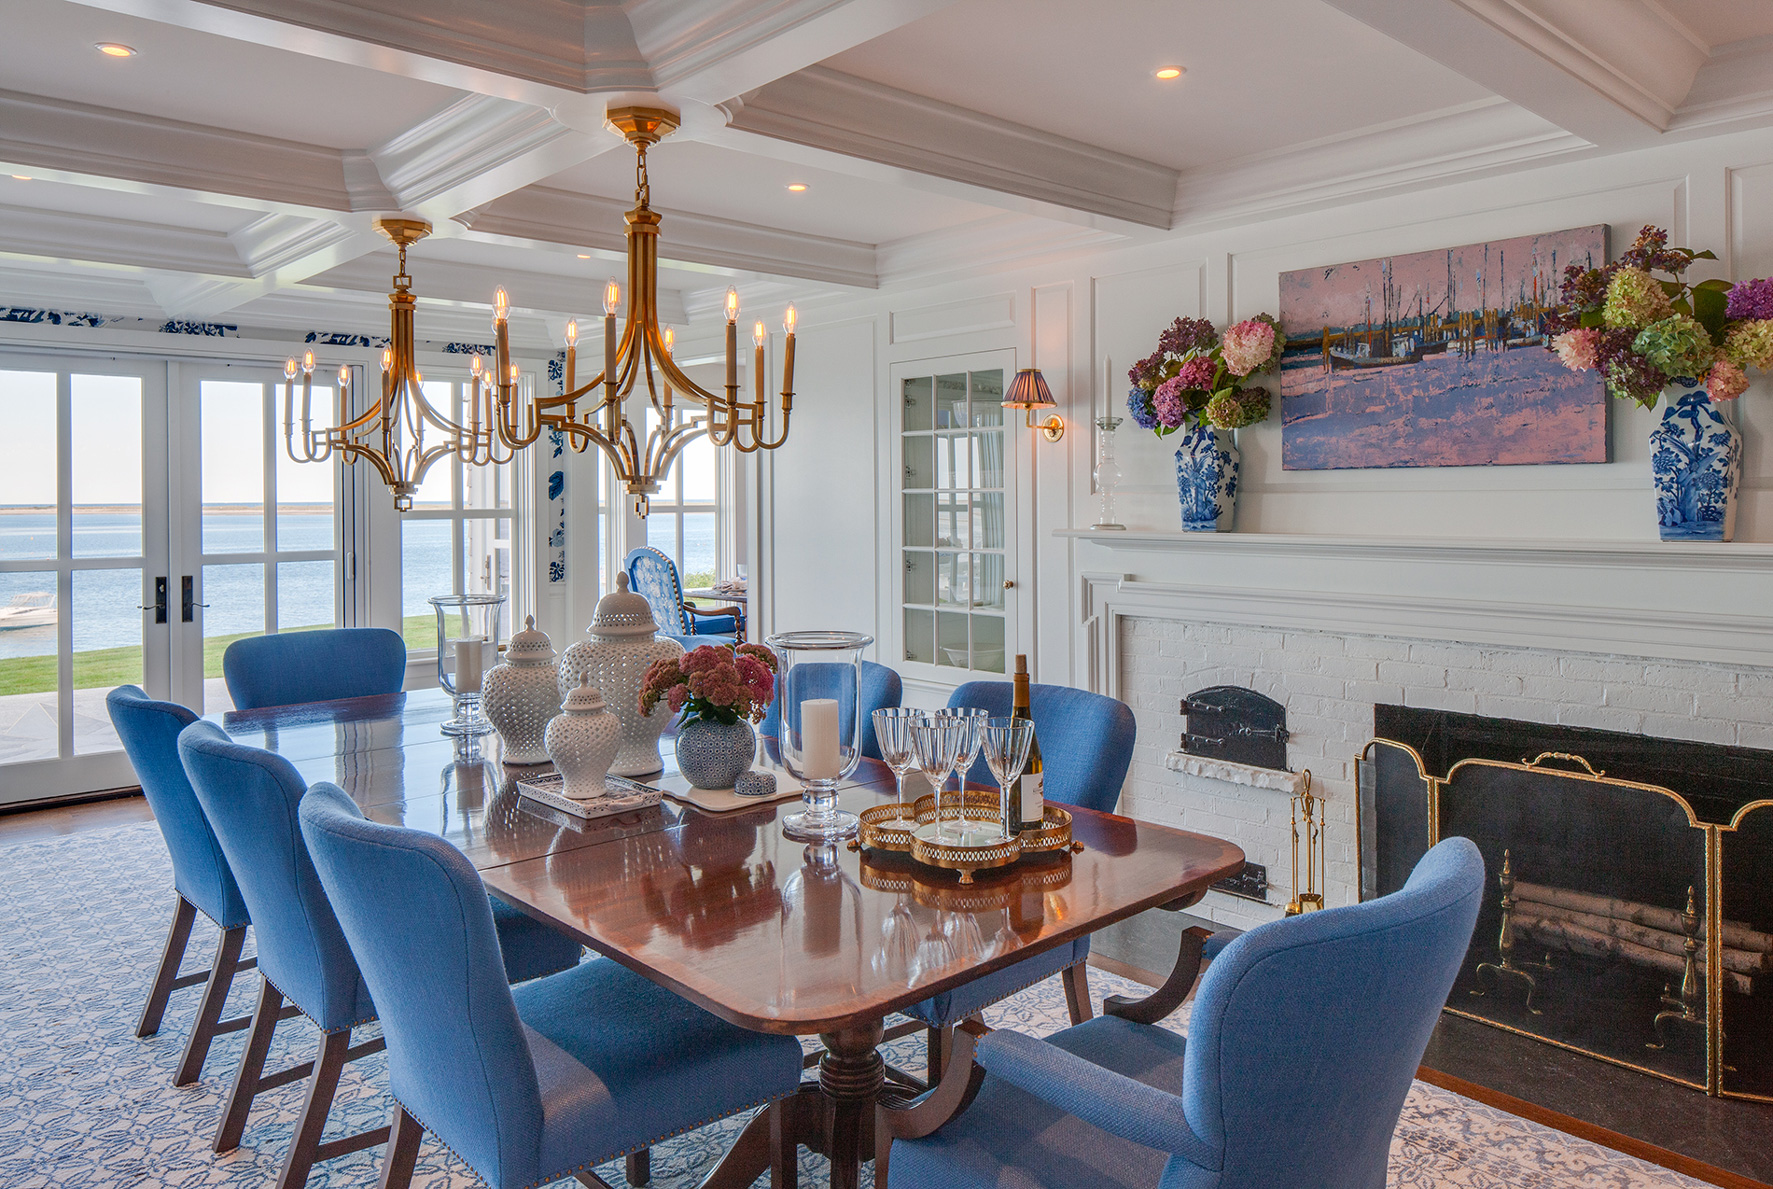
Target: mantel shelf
1734,555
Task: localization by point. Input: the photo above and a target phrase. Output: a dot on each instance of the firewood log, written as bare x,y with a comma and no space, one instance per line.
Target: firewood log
1567,935
1736,934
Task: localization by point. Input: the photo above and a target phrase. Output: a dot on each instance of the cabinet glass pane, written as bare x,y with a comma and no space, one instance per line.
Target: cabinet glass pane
920,577
951,521
988,579
951,645
988,523
987,394
919,407
953,581
988,650
951,401
953,461
920,520
988,458
28,480
920,463
107,430
920,636
107,650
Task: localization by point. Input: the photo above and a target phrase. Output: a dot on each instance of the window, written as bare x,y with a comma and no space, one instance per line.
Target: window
683,521
457,538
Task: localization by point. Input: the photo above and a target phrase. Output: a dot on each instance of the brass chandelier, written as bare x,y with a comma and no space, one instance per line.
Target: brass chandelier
391,434
642,461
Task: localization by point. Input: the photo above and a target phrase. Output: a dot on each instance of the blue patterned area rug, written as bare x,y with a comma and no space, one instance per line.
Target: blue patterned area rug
85,1105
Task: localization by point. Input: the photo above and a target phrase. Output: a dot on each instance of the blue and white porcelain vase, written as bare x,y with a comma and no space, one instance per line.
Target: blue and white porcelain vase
1696,459
1206,478
713,755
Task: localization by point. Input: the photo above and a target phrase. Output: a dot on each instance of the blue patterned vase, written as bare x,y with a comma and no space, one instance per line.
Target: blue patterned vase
713,755
1206,479
1696,459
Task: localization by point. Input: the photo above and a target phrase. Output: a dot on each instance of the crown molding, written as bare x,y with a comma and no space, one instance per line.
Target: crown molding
282,244
189,159
546,217
58,235
1734,89
1488,136
474,150
838,113
185,295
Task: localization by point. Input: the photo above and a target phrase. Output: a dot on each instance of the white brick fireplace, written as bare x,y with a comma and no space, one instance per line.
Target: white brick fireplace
1643,638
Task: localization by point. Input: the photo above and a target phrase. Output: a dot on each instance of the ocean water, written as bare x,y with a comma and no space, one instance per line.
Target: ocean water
104,604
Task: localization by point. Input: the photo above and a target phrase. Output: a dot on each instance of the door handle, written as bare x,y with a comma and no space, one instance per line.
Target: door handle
159,607
190,602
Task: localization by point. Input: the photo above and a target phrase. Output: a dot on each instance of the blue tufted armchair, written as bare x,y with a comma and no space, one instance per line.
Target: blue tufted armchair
654,576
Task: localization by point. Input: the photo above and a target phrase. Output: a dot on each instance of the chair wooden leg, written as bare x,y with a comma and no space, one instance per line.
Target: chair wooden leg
215,997
940,1042
323,1083
403,1150
177,937
1077,992
784,1148
638,1167
252,1067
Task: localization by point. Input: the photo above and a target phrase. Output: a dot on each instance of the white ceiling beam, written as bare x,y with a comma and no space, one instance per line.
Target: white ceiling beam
1614,77
542,217
472,285
59,235
840,116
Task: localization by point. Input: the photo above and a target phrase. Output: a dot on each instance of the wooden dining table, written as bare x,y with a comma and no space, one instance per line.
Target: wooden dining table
767,933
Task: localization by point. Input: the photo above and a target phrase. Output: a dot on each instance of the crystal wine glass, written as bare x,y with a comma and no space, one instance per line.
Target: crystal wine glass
892,734
976,717
1006,742
940,740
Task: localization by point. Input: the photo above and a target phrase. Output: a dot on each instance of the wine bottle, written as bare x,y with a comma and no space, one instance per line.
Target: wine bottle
1027,807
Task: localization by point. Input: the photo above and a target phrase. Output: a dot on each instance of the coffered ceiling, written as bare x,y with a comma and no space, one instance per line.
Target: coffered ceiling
231,168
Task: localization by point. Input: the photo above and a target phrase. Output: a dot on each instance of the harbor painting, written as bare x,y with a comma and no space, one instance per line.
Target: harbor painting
1437,359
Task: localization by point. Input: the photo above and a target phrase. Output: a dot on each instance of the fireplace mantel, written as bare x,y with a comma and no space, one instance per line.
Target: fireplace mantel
1690,601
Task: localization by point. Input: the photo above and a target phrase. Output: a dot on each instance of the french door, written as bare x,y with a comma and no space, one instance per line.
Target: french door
145,521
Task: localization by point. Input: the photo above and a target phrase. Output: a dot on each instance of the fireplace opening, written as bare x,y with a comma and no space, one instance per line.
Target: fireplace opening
1627,918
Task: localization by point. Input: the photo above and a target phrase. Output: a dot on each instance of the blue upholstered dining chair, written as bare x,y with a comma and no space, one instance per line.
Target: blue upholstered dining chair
1305,1035
201,879
1086,745
316,666
880,689
533,1083
653,576
250,797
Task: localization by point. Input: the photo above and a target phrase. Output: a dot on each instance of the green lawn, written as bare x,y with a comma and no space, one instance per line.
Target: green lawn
102,668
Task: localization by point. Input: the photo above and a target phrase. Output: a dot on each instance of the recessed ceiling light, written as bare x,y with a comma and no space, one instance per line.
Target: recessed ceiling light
797,187
21,177
1169,72
584,255
115,49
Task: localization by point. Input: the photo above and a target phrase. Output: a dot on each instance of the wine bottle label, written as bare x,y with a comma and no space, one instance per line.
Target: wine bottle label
1033,808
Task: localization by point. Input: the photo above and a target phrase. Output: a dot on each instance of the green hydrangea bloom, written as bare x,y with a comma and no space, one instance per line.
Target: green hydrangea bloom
1678,345
1750,344
1634,300
1235,408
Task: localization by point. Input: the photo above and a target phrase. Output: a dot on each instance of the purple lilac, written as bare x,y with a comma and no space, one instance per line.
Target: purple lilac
1751,299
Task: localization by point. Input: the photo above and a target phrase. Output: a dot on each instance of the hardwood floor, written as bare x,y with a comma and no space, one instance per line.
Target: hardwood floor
25,824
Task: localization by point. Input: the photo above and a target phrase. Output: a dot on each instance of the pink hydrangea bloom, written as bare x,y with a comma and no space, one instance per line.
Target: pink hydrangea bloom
1247,346
1196,372
675,699
1578,348
703,658
1167,401
1726,381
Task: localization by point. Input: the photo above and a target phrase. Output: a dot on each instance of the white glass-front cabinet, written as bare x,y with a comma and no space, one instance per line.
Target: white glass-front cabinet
952,574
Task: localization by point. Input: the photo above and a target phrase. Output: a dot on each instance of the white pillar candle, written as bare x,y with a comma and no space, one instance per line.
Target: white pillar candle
468,664
818,738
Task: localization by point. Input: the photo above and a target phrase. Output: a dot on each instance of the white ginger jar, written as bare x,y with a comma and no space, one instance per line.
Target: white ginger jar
582,740
615,659
522,693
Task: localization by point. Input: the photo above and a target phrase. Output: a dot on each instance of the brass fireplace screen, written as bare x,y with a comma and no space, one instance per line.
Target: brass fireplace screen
1617,922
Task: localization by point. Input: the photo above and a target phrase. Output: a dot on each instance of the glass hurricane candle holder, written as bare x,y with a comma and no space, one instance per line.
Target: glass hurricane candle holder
818,687
467,646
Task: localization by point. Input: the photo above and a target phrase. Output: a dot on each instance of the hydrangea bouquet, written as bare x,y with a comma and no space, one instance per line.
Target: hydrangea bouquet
1643,333
713,683
1196,375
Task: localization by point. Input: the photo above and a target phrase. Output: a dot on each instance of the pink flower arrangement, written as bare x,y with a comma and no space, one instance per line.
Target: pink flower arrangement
1168,404
1248,346
1725,381
713,682
1579,349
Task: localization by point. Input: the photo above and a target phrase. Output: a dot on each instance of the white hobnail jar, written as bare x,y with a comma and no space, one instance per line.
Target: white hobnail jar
615,659
582,740
522,693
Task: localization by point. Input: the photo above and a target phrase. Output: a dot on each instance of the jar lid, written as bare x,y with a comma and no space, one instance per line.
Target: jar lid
622,613
529,645
584,698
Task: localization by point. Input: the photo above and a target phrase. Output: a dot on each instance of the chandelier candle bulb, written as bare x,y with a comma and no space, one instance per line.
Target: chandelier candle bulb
818,738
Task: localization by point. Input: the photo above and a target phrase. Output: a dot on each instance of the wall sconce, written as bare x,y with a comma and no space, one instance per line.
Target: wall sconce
1029,391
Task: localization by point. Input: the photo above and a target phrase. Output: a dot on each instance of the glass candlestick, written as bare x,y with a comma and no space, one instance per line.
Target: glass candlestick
818,690
467,646
1107,473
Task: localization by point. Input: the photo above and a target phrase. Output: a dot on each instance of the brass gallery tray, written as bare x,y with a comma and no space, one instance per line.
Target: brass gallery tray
912,830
